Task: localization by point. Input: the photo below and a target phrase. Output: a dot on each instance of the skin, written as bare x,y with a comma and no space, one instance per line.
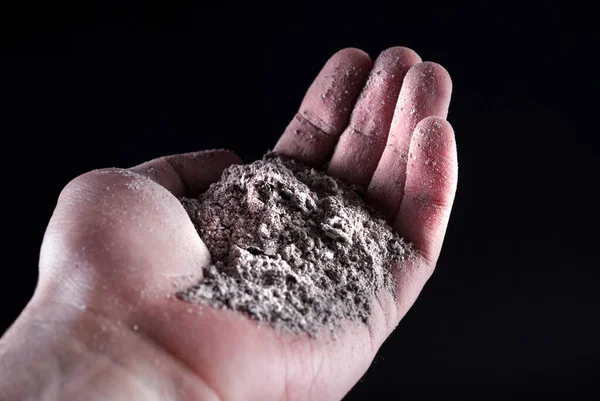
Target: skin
103,325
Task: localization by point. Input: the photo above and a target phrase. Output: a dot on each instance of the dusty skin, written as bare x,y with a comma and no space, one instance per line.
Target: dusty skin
105,322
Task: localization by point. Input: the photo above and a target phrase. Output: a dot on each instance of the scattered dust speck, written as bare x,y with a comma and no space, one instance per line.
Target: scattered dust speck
135,185
291,246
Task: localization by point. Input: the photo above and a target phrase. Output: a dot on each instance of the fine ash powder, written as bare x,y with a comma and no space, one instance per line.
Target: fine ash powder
291,246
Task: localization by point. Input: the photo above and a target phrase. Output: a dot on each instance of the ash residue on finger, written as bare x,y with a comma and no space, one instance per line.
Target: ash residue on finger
291,246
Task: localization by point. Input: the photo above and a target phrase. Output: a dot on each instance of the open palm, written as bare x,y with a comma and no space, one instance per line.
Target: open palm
119,246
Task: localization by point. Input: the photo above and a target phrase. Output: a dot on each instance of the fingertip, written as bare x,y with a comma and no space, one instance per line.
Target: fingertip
404,54
431,81
434,137
433,71
352,55
434,123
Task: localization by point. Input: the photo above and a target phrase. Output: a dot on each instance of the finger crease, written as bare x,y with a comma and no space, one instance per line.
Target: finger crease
373,136
316,124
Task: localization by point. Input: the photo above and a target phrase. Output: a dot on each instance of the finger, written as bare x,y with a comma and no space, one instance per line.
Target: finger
425,92
361,145
188,174
313,132
432,175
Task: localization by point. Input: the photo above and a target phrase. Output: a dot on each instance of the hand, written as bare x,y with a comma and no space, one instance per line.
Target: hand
103,325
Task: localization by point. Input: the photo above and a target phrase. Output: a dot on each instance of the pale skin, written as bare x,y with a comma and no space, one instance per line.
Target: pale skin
103,324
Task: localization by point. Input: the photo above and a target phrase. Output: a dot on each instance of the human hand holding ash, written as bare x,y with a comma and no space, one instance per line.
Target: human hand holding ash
195,277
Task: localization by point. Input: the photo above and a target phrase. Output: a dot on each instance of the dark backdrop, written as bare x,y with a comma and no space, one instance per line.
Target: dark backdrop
512,309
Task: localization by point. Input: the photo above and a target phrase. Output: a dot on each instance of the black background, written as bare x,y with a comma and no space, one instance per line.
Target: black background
511,311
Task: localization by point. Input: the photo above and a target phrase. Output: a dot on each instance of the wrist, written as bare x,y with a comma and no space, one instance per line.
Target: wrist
47,357
65,353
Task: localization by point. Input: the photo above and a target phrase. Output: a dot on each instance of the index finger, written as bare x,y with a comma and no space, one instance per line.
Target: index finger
188,174
325,110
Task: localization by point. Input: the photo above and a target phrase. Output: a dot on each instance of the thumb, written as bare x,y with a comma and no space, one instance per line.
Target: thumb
123,234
